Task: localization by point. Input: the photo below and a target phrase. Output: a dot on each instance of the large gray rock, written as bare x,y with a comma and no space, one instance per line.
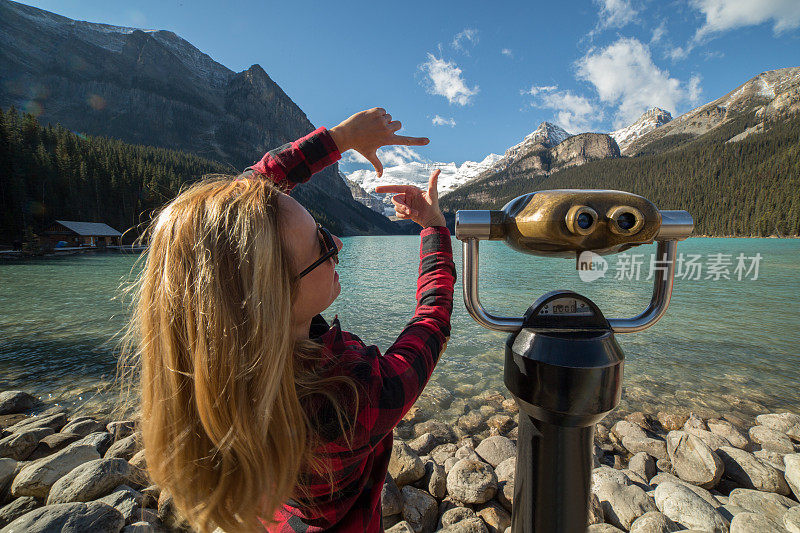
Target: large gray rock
16,401
101,440
391,498
471,481
623,429
791,519
78,517
726,430
713,440
772,440
36,478
123,449
82,426
420,509
125,500
605,474
423,444
644,465
54,421
468,525
693,460
749,472
120,429
8,469
455,515
603,528
688,509
654,522
434,481
51,444
769,504
496,518
495,450
654,447
400,527
20,445
623,504
774,459
505,472
17,508
405,466
786,423
754,523
443,452
90,481
700,491
792,472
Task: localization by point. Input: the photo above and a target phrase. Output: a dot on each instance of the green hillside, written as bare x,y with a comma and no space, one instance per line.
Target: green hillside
746,188
49,173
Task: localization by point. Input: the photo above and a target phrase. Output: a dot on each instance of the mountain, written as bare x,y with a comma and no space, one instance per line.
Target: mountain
547,134
417,173
650,120
151,87
767,96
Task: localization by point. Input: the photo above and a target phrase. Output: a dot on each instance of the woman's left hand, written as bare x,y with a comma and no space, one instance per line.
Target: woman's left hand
367,131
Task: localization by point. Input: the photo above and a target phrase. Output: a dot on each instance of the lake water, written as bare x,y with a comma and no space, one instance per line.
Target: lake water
725,345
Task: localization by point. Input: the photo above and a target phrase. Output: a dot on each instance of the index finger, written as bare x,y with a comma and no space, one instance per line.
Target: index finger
396,188
410,141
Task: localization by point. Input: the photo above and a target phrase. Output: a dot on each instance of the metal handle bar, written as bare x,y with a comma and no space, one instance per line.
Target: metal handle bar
676,225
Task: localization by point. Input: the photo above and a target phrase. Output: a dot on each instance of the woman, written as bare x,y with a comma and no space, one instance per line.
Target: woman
255,412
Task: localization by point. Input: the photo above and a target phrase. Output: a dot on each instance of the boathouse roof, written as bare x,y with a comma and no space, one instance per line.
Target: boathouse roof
96,229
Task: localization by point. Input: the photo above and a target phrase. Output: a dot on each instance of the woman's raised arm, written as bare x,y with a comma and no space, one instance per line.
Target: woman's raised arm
364,132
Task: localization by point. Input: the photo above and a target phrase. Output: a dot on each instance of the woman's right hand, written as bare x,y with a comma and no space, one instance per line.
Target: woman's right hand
413,203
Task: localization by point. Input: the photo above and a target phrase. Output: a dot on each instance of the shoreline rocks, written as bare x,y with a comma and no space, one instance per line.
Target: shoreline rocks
660,472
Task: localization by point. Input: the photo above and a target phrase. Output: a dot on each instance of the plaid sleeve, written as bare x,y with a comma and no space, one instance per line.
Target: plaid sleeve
297,161
404,370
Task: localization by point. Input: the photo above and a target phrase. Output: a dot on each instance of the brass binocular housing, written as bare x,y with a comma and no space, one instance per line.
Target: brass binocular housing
570,221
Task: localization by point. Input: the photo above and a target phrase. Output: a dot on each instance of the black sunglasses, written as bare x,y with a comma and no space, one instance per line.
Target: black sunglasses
330,250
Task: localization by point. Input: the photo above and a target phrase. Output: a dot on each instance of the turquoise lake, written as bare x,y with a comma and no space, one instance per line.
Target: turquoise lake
725,345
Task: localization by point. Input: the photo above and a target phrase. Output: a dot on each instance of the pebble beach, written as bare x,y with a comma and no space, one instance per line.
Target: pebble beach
662,472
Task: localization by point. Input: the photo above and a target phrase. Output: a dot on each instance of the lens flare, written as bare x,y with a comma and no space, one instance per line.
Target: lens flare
96,102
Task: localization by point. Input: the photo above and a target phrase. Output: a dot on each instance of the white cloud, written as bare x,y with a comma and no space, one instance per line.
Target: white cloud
351,156
694,89
507,52
536,89
723,15
465,36
572,112
679,52
658,33
398,155
445,79
442,121
625,76
615,13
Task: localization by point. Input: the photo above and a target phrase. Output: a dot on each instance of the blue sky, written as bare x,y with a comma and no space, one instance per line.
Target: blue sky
476,77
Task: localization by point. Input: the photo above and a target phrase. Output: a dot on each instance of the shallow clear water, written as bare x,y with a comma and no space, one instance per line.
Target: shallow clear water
725,346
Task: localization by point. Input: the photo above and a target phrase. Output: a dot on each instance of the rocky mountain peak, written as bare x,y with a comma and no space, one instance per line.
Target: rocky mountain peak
548,134
650,120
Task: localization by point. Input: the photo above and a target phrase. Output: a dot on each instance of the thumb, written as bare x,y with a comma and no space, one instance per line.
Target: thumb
433,183
373,158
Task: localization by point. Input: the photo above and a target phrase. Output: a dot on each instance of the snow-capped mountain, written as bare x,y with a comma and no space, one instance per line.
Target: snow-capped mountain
547,134
417,173
650,120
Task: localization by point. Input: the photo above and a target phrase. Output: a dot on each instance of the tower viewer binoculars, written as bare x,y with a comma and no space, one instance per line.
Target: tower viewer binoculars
563,365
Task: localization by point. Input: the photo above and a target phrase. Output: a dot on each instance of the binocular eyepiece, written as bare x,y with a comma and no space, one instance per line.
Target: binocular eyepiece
566,222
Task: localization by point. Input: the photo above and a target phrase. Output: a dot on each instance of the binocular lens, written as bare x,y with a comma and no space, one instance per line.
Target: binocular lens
585,221
626,221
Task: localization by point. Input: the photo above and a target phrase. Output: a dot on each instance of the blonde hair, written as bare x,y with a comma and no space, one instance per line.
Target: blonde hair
223,382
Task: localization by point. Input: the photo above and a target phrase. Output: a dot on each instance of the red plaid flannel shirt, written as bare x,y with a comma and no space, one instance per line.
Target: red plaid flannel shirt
389,384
